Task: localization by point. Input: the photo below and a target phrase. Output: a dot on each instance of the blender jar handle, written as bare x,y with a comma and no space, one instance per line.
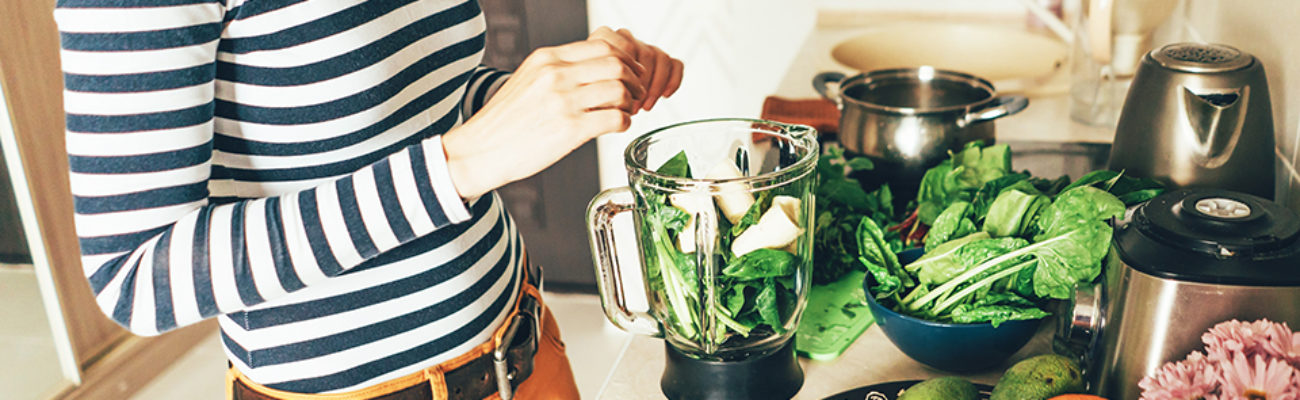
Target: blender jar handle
600,225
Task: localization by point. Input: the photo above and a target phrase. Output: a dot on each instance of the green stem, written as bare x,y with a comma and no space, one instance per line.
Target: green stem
956,298
674,286
728,321
954,282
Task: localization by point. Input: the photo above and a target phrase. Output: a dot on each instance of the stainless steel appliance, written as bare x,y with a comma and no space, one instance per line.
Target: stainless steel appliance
1198,115
906,120
1178,265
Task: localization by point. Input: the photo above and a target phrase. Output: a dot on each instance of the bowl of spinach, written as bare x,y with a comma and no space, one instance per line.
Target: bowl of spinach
948,346
999,247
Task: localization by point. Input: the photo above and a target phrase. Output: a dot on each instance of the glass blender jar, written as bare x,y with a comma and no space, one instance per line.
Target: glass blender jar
722,210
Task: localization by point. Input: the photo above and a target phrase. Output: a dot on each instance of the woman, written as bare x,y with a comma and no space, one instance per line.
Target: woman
319,175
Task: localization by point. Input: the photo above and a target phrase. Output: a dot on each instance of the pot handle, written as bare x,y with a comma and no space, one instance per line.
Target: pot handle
998,108
821,84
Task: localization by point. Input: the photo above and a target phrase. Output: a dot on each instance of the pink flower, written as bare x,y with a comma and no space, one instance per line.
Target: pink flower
1261,337
1266,380
1295,352
1191,379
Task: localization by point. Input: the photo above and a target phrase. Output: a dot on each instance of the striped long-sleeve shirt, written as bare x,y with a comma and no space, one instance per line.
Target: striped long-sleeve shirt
277,164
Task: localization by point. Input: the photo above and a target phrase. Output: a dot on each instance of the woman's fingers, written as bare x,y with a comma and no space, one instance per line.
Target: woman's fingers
675,78
604,121
659,80
606,69
591,49
604,94
663,73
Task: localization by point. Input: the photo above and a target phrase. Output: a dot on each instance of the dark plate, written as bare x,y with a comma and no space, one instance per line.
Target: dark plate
891,390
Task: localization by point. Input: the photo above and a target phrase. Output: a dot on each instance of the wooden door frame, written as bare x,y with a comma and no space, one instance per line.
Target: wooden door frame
112,362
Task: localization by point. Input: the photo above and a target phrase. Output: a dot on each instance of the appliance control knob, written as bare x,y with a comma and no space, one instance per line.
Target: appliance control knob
1081,323
1223,208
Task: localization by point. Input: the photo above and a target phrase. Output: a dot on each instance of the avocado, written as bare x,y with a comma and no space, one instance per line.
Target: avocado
942,388
1039,378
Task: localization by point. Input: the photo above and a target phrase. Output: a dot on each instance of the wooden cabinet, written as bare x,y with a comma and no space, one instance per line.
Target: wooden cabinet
110,361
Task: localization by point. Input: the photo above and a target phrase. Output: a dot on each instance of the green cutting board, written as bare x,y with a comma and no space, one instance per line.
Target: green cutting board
834,318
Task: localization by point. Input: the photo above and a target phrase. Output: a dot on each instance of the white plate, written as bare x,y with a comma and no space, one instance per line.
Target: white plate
1013,60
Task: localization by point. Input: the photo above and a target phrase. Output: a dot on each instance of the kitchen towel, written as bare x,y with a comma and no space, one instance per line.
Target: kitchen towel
821,114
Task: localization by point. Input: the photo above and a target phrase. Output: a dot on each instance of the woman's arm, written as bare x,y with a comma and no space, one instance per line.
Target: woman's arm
139,84
139,97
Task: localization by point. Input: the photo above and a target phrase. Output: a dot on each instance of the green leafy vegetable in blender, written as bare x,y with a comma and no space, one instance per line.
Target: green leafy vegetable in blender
756,293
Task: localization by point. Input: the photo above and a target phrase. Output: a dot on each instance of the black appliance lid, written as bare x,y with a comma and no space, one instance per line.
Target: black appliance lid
1213,236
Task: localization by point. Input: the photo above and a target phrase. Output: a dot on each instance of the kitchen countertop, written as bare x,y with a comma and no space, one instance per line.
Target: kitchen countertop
870,360
1047,118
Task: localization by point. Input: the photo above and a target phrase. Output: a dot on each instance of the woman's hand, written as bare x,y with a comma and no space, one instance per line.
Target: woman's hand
559,98
664,73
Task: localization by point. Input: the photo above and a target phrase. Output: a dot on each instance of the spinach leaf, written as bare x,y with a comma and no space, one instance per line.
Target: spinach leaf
1004,299
676,166
1012,212
671,218
939,270
1092,178
735,298
1061,262
952,223
1073,257
990,190
996,314
759,264
938,188
1139,196
841,205
754,212
1050,188
1076,206
880,260
765,302
959,177
861,164
1127,188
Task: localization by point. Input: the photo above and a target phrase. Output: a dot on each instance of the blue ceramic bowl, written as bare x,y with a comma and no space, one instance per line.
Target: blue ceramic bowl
950,347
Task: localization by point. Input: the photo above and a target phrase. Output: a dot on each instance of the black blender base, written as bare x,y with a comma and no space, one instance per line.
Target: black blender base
774,376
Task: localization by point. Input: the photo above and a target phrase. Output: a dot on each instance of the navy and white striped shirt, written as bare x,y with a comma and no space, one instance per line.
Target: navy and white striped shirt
278,164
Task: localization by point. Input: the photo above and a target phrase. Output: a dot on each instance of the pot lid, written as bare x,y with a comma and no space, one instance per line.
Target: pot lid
1213,236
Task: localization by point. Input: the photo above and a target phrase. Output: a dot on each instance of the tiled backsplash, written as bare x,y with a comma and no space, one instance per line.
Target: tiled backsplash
1266,29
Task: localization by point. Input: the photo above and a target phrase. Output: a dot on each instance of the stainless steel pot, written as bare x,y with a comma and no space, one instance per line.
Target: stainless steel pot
906,120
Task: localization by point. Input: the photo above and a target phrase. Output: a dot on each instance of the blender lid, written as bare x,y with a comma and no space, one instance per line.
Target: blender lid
1213,236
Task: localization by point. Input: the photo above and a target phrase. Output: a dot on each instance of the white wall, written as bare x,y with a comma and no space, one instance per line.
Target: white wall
735,53
1267,29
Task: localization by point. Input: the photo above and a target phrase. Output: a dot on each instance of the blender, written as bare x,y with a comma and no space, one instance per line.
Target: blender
722,210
